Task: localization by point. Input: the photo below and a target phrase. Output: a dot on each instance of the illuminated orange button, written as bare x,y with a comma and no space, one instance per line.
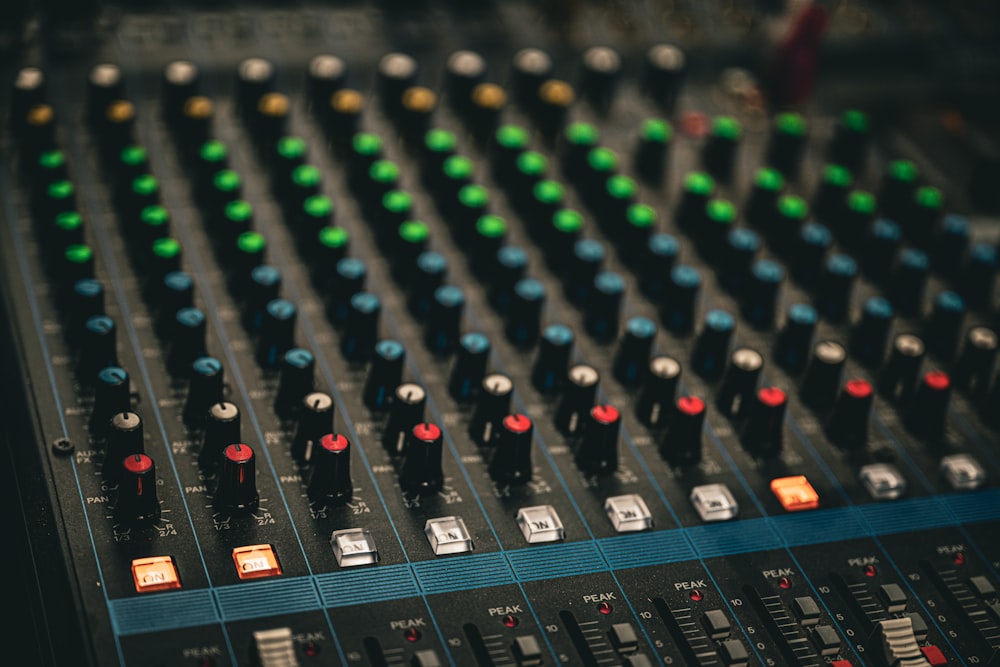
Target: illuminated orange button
256,561
795,493
158,573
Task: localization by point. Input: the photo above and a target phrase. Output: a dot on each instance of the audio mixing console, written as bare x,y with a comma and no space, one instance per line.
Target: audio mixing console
493,334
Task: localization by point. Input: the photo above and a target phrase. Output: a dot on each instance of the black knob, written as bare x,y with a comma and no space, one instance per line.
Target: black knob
604,303
125,438
29,89
330,477
205,388
632,357
385,372
791,348
739,382
552,361
871,333
979,275
952,244
511,461
899,378
692,211
315,420
97,348
181,80
814,243
656,262
530,67
708,358
822,378
429,273
848,425
974,367
105,84
87,300
444,322
663,75
348,279
396,72
176,291
764,430
236,488
187,341
405,412
511,265
361,328
277,332
719,152
882,243
681,298
421,472
492,405
578,396
927,415
463,71
830,202
762,205
584,265
787,143
222,428
835,287
602,69
850,139
112,395
254,77
470,366
523,320
295,380
325,75
681,444
597,452
658,391
652,153
136,502
945,324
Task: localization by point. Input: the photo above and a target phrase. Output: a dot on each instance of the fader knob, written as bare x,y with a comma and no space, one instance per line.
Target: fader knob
421,472
236,490
222,428
406,411
597,453
681,444
492,405
315,421
125,438
136,502
511,462
330,477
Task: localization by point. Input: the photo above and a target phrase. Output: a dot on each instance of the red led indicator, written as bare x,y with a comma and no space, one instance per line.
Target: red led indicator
694,124
959,558
138,463
206,662
785,582
510,621
334,442
412,635
426,432
937,380
605,608
696,595
772,397
517,423
870,571
238,453
858,388
311,649
690,405
604,414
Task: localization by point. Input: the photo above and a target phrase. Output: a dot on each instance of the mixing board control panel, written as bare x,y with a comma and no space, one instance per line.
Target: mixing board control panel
503,334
